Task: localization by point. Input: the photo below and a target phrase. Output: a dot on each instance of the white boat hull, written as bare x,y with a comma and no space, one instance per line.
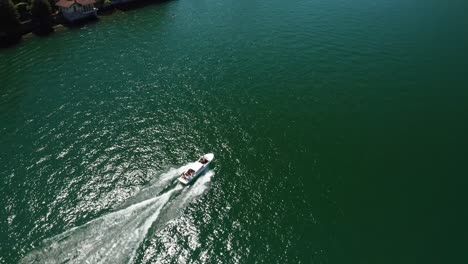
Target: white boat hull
196,169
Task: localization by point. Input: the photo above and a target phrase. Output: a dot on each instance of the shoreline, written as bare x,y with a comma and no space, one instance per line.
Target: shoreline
26,29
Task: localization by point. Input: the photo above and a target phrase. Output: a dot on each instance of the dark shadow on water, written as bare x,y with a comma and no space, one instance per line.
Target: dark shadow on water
136,4
10,41
81,23
43,32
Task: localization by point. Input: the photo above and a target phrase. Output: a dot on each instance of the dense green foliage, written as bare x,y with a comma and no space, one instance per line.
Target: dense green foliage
41,13
23,10
99,4
53,7
9,22
8,15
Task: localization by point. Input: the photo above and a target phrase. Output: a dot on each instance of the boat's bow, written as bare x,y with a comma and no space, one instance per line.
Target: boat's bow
209,156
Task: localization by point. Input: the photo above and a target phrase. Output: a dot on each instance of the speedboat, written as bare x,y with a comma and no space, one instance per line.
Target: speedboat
196,168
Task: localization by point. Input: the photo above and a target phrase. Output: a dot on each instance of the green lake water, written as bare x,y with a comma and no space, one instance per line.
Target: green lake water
339,128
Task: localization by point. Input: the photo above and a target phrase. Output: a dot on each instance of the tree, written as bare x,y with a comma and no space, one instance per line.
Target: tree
41,14
99,4
9,23
23,11
53,7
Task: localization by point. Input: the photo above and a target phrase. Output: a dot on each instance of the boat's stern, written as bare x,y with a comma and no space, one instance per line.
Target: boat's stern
183,180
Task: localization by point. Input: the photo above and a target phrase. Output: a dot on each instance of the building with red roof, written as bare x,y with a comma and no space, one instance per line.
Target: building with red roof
73,10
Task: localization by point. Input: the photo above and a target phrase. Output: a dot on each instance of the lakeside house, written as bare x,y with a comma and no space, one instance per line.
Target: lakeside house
73,10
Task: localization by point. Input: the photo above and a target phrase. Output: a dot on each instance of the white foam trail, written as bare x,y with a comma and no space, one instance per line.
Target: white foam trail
156,186
198,188
169,175
115,237
189,194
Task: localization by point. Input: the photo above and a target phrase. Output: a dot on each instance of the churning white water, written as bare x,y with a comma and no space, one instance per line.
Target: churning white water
115,237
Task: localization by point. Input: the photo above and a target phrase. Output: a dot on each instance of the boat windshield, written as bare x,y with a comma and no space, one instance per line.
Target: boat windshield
202,160
189,173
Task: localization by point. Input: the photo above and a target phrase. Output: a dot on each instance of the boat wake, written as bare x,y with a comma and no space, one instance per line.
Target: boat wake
116,237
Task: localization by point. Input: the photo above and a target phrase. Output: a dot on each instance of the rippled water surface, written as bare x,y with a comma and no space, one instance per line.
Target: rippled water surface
339,129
